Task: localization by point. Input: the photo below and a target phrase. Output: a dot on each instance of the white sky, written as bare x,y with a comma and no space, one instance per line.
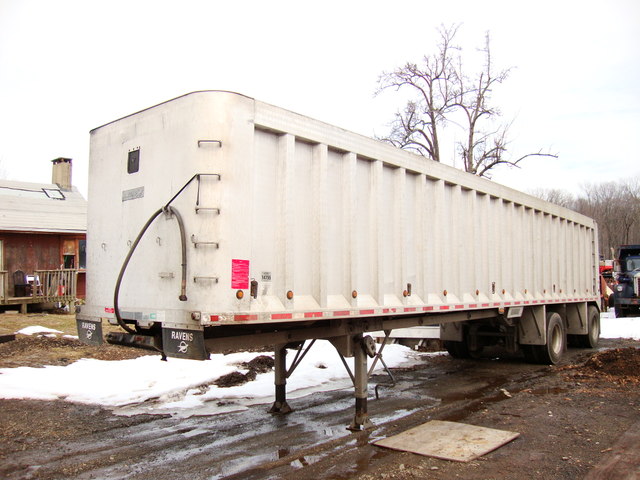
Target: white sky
71,65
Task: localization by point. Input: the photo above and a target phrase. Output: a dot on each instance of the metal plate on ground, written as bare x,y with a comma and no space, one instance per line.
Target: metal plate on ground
448,440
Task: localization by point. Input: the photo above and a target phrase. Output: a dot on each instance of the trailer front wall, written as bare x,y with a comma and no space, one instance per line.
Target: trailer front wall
328,223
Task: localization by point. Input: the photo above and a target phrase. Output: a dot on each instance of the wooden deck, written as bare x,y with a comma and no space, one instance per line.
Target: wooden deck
52,286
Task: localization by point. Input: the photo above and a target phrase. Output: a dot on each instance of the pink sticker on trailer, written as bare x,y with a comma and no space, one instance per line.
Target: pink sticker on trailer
240,274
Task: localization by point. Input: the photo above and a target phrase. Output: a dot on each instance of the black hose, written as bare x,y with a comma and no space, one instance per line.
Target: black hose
183,242
183,287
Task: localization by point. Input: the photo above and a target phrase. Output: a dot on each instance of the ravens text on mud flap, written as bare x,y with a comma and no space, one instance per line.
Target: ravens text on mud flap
182,343
89,331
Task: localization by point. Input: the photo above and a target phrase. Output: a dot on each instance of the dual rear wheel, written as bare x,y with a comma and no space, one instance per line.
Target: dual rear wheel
551,352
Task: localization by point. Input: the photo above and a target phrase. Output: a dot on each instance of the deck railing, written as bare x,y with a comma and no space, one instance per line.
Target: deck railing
55,285
4,284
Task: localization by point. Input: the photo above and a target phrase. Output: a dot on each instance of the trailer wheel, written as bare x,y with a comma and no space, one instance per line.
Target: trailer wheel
590,340
551,353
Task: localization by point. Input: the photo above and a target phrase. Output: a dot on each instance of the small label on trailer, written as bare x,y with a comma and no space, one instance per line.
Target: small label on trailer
132,194
89,331
240,274
266,277
181,343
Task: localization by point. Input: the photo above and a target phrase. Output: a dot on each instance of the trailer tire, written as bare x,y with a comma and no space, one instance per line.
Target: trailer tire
551,352
590,340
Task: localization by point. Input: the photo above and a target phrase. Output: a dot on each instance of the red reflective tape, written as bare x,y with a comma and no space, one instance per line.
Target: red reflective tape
214,318
459,307
244,318
486,305
427,309
506,304
526,302
473,305
312,314
109,310
517,303
443,307
341,313
410,309
367,312
281,316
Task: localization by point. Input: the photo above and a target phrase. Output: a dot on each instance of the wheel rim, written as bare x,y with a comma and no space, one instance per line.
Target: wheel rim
594,331
555,345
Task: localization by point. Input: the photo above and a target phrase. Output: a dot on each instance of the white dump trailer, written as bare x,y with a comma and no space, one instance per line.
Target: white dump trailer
218,222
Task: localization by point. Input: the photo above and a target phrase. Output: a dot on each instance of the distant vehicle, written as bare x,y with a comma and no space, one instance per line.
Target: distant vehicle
627,290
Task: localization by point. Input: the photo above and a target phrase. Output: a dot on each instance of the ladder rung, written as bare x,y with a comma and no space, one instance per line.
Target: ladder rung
208,209
212,279
219,142
196,243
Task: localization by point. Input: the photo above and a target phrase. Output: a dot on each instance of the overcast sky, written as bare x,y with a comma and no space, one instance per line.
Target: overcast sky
68,66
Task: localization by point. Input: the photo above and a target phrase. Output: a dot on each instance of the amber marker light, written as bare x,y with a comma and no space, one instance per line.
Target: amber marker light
239,294
289,295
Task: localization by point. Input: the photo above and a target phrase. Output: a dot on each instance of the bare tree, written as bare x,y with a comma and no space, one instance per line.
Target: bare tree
416,127
555,195
615,206
442,90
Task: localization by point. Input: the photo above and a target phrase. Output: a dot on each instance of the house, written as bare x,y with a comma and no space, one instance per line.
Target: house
42,240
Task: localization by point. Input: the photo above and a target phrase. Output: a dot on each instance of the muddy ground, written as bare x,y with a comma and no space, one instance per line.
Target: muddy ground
576,420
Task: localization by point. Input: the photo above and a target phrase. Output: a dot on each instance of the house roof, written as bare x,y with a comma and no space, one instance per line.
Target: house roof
41,207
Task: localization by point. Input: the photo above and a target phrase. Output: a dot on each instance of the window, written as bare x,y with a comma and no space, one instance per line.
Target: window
133,161
69,261
82,254
54,193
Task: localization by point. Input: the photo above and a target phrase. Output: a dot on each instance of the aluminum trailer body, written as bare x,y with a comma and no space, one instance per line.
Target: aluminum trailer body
265,227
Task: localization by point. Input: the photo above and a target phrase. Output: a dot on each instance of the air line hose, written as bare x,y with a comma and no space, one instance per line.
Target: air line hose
183,288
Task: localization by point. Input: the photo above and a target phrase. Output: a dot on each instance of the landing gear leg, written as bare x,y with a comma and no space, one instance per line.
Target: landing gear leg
360,382
280,406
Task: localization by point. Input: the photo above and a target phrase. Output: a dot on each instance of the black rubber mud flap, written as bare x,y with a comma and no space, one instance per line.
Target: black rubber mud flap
182,343
89,331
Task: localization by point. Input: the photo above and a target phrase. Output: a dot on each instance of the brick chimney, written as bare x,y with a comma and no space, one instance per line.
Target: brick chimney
61,173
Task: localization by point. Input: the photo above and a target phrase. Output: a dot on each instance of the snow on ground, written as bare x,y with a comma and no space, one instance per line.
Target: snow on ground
612,327
178,384
149,385
37,329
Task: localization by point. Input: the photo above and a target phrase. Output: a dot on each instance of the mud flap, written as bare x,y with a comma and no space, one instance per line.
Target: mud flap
89,331
183,343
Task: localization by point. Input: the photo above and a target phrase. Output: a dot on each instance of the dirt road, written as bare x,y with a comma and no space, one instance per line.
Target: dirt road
570,419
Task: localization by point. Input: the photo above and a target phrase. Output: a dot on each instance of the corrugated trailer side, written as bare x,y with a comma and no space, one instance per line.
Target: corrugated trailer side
292,229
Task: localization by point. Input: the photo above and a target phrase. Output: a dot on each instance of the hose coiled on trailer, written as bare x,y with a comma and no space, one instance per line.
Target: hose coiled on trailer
183,288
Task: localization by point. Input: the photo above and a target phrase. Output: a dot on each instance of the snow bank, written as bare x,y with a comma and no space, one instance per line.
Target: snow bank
612,327
177,383
37,329
151,385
